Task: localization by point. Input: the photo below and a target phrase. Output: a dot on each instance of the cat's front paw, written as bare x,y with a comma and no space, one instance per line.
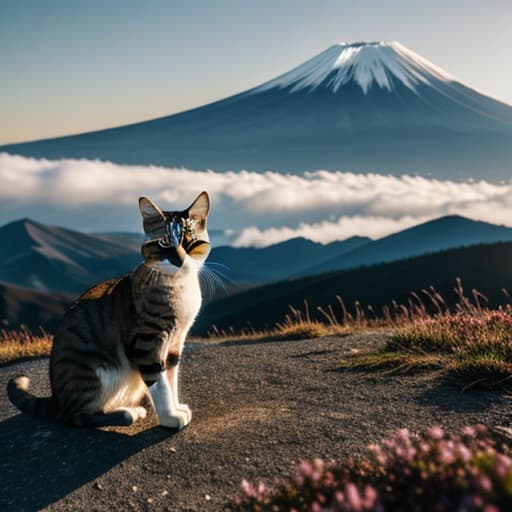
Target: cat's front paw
184,408
176,421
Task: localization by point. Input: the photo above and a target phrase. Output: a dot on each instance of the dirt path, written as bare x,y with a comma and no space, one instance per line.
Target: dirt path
258,409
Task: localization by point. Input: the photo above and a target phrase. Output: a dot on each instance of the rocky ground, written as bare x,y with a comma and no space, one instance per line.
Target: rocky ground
258,408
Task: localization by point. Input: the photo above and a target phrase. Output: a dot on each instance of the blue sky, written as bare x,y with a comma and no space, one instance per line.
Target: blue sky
72,66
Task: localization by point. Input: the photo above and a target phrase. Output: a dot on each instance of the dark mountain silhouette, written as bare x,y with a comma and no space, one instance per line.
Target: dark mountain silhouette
483,267
361,107
436,235
23,306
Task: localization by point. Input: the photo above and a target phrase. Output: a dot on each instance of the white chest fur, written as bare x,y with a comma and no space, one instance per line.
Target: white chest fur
185,298
179,287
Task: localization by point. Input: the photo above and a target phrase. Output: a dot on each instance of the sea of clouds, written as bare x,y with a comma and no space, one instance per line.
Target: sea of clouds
255,209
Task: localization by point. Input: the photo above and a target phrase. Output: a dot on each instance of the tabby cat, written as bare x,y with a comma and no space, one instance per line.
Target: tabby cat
126,335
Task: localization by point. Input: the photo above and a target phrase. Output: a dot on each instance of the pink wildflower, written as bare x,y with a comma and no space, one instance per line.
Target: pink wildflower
353,497
435,433
484,482
316,507
247,488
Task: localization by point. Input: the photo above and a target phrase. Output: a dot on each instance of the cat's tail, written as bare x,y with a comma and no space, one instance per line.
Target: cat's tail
17,390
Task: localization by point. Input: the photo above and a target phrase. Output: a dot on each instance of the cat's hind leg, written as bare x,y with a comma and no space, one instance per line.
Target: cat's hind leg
122,417
105,396
121,391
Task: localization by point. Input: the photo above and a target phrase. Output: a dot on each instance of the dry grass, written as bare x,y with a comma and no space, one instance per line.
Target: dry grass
297,325
22,344
472,345
339,320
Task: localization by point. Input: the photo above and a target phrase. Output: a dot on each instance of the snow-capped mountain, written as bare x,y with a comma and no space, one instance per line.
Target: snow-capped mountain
367,64
359,107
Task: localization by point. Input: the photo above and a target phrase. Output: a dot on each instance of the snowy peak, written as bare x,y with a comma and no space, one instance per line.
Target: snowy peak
367,64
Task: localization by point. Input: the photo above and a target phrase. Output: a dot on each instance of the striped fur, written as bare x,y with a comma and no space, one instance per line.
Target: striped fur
126,335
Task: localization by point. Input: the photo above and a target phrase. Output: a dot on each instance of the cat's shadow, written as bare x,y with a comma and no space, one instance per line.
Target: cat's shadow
41,462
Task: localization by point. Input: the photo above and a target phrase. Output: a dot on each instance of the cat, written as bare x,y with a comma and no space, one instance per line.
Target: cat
126,335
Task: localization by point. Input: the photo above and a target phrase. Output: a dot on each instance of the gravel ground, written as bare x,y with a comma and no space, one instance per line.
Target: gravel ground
258,409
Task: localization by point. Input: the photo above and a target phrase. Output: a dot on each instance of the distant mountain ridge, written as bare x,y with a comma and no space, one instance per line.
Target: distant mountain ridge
361,107
432,236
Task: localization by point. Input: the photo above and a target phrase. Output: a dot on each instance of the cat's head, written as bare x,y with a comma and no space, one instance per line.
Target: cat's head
174,235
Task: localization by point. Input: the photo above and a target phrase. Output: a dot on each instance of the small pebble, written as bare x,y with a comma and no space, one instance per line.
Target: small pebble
207,497
135,488
98,486
165,493
172,449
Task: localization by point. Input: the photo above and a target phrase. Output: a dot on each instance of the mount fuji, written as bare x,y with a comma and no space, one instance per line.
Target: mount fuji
363,107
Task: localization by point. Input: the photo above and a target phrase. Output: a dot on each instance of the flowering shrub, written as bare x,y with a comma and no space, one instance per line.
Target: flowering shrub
431,472
473,345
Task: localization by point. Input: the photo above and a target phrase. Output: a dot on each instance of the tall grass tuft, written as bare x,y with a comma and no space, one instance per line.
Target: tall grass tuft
23,344
296,325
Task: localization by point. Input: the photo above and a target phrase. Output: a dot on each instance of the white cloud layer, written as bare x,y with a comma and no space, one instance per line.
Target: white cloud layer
261,208
327,231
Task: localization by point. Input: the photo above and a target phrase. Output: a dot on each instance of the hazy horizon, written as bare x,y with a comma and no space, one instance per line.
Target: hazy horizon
72,68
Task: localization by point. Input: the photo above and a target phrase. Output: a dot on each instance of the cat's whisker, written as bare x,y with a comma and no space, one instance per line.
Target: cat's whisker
208,291
210,266
207,286
213,280
217,274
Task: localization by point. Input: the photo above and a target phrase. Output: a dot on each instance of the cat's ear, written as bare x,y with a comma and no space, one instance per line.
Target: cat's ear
198,210
149,209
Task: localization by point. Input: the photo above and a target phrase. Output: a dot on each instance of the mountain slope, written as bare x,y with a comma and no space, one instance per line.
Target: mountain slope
436,235
483,267
49,258
361,107
23,306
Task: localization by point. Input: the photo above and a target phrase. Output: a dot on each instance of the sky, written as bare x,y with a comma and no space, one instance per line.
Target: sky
70,66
